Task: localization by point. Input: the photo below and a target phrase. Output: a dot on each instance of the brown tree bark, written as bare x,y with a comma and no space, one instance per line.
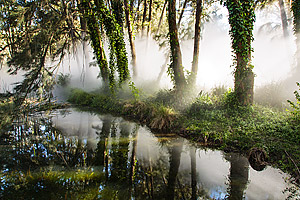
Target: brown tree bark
176,57
175,157
181,14
161,17
196,42
149,18
238,177
283,18
144,16
132,45
193,173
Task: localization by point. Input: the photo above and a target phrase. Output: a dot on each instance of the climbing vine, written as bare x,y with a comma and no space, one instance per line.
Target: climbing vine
95,36
241,20
118,54
98,15
296,13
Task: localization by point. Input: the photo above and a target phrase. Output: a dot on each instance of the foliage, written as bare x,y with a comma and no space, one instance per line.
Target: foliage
34,31
295,7
135,91
63,79
241,20
296,105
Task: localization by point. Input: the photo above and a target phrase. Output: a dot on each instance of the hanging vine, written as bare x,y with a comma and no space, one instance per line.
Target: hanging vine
118,55
98,15
95,37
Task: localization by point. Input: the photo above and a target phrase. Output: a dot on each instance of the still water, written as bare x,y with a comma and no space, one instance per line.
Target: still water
69,154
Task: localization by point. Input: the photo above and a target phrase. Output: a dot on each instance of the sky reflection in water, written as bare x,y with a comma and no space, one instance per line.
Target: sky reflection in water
72,155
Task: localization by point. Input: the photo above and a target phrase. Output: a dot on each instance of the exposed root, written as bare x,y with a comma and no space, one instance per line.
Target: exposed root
258,158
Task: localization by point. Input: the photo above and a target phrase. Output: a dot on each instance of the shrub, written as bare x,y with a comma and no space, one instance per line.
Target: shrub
296,105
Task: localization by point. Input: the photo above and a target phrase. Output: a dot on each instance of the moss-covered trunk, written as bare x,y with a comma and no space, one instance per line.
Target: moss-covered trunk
241,20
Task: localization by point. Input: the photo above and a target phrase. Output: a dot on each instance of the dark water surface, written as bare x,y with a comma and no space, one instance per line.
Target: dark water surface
69,154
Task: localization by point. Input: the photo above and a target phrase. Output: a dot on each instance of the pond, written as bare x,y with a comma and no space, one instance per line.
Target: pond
70,154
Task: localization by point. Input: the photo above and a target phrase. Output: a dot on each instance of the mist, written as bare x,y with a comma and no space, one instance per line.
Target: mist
273,57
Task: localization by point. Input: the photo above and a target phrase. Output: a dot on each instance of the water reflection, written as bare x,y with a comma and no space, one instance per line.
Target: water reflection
76,155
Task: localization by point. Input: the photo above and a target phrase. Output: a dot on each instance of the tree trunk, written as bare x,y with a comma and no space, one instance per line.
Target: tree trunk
283,18
175,157
176,57
144,16
238,178
163,68
161,17
181,14
96,39
193,173
149,18
196,43
295,5
132,45
241,20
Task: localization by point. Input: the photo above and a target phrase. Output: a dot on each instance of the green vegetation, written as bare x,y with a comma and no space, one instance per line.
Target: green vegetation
213,120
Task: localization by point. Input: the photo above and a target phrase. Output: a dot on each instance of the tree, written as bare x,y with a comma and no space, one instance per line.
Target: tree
241,20
176,57
283,18
296,23
196,42
130,35
50,29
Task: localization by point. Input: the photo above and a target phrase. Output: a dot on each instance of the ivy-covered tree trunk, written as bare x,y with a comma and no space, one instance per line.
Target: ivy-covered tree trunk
95,36
196,42
296,24
176,57
241,20
130,35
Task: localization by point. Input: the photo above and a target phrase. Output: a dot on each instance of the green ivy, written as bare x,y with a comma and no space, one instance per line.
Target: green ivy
295,6
98,15
241,20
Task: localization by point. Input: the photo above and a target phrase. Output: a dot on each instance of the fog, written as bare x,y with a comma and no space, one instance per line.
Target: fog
273,56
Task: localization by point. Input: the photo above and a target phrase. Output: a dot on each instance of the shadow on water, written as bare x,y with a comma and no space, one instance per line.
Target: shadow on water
80,155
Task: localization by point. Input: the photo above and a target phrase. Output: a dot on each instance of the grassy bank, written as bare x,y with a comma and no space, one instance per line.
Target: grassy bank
212,121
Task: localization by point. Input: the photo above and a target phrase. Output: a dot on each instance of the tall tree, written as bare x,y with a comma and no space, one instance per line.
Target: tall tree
144,16
196,42
181,14
49,29
131,40
176,57
296,23
149,18
284,21
238,177
175,156
241,20
96,39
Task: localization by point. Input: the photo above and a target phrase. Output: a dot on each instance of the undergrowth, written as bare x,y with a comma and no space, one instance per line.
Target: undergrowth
214,119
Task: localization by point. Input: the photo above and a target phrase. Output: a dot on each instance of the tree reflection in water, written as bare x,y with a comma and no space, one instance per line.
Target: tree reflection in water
102,157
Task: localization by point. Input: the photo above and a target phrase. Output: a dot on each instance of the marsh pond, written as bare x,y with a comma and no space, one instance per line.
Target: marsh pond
72,154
